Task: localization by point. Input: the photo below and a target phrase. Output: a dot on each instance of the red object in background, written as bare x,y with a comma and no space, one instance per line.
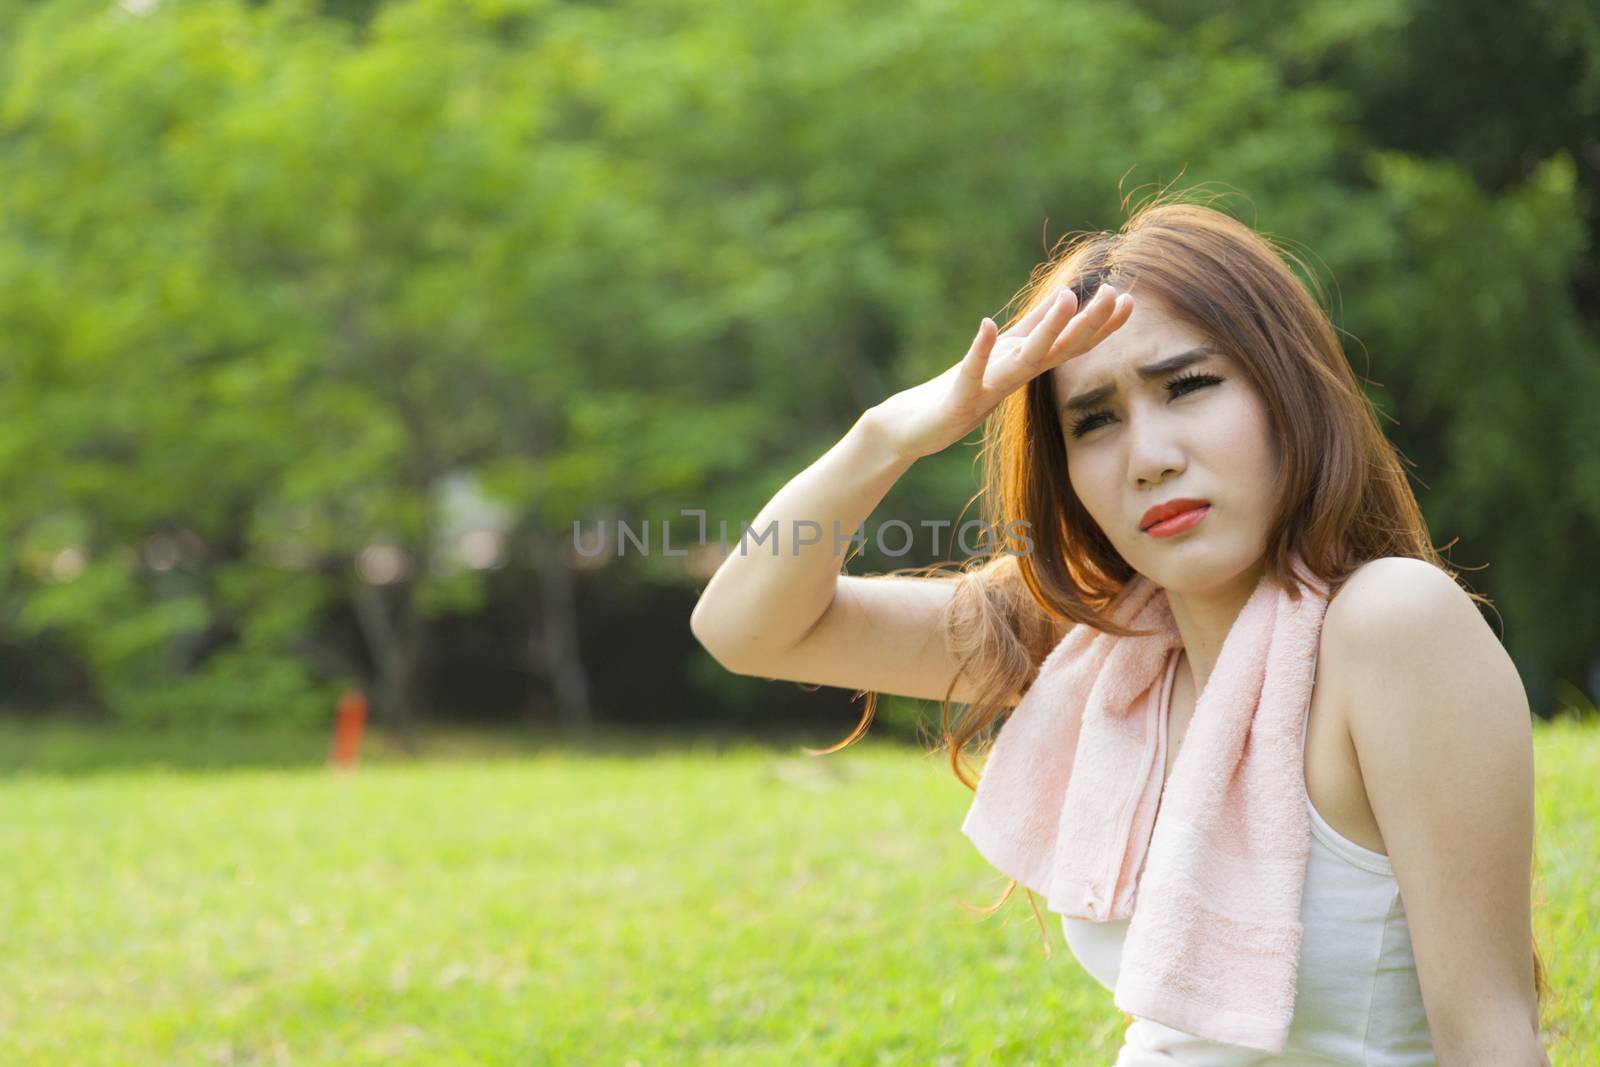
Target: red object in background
347,727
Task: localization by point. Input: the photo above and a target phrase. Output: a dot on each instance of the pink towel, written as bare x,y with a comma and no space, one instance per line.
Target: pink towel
1067,798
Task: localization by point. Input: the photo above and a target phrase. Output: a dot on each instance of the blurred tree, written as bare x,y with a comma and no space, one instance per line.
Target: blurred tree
274,277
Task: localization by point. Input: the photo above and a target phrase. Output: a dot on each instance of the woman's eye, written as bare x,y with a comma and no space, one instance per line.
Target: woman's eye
1180,386
1188,383
1087,423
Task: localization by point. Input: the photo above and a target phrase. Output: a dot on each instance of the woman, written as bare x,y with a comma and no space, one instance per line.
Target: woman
1175,405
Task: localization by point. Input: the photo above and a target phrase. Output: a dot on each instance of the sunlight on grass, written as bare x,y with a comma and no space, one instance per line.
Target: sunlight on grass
659,904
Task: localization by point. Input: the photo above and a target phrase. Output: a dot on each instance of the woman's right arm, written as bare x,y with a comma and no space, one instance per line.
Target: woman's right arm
791,614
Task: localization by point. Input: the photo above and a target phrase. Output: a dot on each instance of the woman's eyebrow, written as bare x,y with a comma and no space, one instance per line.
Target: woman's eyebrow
1161,367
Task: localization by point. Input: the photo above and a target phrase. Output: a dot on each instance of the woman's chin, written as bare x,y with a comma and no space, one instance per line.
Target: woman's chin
1196,566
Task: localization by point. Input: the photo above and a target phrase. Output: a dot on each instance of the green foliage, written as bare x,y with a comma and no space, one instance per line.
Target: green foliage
272,274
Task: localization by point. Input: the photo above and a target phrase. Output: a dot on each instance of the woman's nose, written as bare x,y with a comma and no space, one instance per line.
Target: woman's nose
1154,452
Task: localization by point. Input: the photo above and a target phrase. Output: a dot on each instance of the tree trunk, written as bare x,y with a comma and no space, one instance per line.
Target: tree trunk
394,637
554,648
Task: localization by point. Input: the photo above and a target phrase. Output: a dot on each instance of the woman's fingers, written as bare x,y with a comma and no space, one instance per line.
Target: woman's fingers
1119,315
977,358
1059,314
1087,329
1031,320
1022,358
1047,335
1051,319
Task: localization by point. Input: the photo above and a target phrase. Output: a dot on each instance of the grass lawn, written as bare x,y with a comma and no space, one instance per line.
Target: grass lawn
229,900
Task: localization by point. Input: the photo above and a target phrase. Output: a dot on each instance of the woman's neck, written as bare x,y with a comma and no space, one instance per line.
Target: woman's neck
1204,618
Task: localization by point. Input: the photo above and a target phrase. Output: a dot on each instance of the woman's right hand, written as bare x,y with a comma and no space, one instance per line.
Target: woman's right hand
931,417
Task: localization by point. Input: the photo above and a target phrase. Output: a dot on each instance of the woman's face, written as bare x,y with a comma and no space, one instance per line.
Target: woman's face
1198,431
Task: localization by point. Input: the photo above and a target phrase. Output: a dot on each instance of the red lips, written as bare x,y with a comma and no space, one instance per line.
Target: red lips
1169,509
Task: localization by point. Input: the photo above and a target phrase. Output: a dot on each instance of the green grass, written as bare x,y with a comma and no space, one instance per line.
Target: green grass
643,903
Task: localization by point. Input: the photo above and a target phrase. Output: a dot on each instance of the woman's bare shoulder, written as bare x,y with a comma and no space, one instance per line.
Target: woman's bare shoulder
1397,615
1393,590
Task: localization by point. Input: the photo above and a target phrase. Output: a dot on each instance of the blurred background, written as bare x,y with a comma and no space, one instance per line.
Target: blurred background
323,327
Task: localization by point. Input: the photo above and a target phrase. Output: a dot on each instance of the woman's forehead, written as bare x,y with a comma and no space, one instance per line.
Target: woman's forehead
1150,333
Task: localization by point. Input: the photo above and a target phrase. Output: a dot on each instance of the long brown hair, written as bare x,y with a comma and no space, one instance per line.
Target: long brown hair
1342,495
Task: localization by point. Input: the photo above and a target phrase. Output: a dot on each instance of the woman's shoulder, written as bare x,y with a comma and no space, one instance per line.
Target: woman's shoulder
1403,624
1395,591
1390,616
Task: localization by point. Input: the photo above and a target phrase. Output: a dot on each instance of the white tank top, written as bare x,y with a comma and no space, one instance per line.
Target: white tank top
1357,1001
